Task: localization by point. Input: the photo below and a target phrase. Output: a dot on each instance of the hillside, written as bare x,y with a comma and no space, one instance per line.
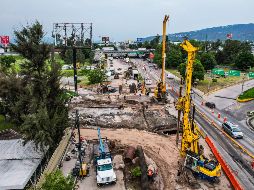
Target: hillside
240,32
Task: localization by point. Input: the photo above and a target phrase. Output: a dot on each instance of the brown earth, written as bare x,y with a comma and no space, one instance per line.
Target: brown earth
160,148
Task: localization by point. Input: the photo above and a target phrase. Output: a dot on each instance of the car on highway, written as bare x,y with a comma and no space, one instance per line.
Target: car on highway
232,129
170,76
66,67
148,81
210,105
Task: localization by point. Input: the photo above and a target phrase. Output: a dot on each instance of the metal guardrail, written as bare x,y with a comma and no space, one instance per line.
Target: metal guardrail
56,157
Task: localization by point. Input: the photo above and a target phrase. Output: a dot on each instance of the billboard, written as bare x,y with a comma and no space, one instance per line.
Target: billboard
105,39
139,40
5,40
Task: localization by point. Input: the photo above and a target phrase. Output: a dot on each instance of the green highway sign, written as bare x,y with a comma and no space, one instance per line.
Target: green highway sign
234,73
251,74
218,72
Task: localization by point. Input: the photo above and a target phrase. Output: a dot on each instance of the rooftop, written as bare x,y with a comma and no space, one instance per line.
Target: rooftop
18,162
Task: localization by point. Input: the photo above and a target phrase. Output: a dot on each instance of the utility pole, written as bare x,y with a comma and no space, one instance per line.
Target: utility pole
73,36
79,142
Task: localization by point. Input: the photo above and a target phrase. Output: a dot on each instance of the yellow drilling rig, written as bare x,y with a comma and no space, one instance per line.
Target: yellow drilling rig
160,93
192,153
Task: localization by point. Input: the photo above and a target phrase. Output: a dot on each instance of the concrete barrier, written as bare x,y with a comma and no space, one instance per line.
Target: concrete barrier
224,165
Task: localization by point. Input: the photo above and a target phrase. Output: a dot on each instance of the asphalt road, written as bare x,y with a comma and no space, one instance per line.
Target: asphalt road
230,153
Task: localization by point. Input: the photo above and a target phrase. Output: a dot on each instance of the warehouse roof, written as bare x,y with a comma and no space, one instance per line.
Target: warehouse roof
18,162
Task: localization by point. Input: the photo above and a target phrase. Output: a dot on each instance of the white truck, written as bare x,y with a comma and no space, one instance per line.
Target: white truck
103,162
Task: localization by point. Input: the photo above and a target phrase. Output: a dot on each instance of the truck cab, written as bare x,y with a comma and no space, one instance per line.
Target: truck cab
103,162
105,172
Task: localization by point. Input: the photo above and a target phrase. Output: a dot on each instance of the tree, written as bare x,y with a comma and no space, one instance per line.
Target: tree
96,76
35,101
57,181
174,56
208,61
155,41
198,70
244,60
5,62
230,50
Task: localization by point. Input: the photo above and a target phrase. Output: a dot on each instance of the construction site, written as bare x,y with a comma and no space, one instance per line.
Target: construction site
135,137
122,118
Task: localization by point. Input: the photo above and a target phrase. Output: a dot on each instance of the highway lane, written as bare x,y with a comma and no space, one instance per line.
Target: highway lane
248,140
232,155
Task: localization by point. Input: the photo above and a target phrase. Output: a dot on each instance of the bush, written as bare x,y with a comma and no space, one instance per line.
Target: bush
247,94
96,76
136,172
214,80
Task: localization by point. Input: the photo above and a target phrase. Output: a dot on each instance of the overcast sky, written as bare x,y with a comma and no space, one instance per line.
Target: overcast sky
126,19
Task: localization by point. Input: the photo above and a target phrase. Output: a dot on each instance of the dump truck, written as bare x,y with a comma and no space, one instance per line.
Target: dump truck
103,162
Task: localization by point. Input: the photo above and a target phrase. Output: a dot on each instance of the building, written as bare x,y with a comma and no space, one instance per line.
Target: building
18,162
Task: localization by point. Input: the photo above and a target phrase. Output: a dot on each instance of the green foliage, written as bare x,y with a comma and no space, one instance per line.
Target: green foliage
208,61
5,62
57,181
247,94
29,43
136,172
174,57
198,70
244,60
96,76
34,102
4,124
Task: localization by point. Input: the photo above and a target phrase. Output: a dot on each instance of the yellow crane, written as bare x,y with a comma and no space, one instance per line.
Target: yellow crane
160,91
190,149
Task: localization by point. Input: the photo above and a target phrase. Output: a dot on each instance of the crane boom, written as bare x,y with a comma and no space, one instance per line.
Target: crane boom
160,91
190,135
194,158
163,54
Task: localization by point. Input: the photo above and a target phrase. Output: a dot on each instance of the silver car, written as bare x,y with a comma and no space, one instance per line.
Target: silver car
232,129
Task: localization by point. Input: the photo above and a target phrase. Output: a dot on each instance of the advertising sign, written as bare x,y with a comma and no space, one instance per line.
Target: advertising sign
5,40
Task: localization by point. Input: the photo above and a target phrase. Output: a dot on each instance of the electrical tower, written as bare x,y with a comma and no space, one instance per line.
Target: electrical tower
74,36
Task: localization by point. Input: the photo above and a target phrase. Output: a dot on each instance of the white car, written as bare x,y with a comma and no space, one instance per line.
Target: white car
232,129
148,81
66,67
170,76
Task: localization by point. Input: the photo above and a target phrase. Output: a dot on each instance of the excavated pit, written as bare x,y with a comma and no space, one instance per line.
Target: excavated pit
123,115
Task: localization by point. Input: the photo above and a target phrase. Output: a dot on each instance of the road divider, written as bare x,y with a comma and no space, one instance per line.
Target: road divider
227,135
224,165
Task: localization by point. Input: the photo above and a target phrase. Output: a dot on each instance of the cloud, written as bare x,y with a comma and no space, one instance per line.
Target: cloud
126,19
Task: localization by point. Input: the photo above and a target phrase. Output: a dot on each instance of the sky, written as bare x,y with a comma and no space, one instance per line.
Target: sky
125,19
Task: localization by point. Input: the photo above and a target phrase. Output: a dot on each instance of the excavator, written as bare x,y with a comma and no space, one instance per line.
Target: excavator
191,151
160,94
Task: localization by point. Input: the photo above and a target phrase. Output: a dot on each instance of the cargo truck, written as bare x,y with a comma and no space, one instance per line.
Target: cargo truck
103,162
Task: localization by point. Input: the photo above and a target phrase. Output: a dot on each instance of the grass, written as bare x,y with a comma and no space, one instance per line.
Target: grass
207,85
248,94
174,72
4,124
84,81
70,73
221,81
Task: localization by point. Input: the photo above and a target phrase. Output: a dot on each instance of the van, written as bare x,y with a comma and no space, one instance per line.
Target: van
232,129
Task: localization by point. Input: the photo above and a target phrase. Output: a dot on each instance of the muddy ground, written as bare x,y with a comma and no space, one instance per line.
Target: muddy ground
161,149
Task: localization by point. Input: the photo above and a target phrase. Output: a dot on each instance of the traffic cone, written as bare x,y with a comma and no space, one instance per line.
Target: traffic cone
225,119
219,115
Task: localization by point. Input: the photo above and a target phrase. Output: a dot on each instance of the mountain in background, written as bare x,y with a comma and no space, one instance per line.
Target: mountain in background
242,32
